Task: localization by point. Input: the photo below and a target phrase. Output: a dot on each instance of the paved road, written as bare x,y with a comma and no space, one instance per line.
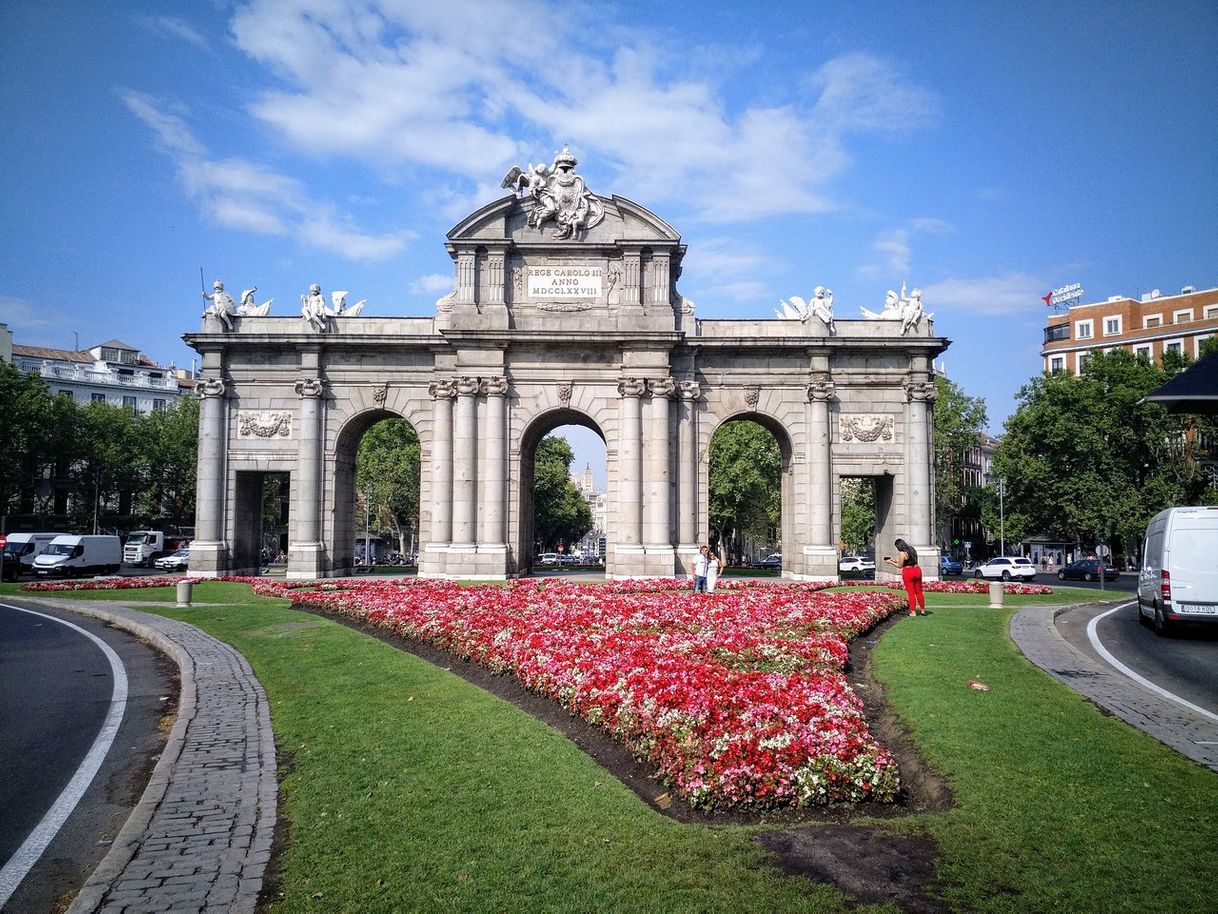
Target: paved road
56,687
1185,665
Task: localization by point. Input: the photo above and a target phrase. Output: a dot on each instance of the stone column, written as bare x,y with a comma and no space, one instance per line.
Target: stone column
441,533
820,551
659,498
209,549
919,505
465,463
493,498
630,464
687,490
305,551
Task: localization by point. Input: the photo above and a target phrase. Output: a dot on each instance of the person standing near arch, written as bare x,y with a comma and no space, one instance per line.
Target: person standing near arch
713,566
911,574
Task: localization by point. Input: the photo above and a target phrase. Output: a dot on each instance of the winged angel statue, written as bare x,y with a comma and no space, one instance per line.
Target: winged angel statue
821,307
906,309
560,194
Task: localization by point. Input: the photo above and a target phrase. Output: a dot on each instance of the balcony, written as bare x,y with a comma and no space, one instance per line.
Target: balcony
1057,332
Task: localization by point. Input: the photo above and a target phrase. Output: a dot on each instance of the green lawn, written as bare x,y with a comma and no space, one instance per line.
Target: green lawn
407,788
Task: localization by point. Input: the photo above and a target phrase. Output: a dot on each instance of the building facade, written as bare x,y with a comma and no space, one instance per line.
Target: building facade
1148,326
112,372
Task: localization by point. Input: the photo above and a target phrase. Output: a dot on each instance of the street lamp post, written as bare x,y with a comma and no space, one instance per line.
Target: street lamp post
1002,517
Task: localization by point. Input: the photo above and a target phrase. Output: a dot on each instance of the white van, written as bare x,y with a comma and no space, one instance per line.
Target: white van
71,555
1179,577
20,552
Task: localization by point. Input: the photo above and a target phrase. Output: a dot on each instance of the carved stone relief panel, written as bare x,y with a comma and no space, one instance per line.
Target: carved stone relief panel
866,427
264,423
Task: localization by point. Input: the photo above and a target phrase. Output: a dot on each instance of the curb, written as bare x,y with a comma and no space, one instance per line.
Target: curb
195,840
1190,734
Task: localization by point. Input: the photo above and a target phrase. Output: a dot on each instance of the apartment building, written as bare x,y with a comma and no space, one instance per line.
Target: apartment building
111,372
1147,326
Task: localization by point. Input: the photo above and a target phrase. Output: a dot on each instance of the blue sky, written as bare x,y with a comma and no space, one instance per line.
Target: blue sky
985,152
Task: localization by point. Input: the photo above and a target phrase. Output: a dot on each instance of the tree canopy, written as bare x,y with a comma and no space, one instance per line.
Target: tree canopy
745,485
561,515
959,424
387,476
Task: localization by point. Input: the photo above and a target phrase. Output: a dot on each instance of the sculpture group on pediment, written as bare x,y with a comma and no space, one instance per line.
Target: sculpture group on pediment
904,308
314,310
223,308
819,306
559,194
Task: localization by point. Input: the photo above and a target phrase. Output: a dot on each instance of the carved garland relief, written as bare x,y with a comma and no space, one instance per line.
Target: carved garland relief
868,428
263,424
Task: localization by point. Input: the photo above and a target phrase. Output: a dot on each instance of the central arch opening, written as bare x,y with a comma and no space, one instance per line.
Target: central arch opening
376,510
563,507
749,490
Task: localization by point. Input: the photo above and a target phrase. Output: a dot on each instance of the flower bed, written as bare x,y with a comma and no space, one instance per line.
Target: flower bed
739,698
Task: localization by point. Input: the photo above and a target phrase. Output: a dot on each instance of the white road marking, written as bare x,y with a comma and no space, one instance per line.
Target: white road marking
16,869
1094,637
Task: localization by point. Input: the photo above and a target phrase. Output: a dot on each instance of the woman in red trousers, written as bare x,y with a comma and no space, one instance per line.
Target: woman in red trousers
907,560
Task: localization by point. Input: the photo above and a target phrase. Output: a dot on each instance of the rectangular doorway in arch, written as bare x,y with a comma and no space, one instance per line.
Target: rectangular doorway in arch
262,518
863,516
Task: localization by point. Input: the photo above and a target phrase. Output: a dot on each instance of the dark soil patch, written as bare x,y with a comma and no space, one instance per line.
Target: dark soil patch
272,890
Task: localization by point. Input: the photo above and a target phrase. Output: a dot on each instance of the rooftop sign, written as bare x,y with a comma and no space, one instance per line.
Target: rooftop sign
1066,295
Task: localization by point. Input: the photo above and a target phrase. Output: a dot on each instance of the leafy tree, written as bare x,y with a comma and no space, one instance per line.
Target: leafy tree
387,471
959,423
858,513
38,431
168,453
560,513
1084,459
745,485
107,465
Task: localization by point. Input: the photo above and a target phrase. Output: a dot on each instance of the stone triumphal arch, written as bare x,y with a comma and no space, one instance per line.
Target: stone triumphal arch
564,310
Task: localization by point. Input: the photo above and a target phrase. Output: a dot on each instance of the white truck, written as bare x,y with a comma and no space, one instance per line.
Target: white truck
144,547
69,556
20,551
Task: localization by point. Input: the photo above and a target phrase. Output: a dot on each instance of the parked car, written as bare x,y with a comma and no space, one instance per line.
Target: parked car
1086,570
568,558
179,561
949,565
773,560
547,558
1179,578
856,563
1006,567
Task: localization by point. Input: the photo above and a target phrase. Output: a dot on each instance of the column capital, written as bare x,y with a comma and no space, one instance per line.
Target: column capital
631,387
495,387
442,390
689,390
310,388
821,391
210,387
921,391
468,387
662,388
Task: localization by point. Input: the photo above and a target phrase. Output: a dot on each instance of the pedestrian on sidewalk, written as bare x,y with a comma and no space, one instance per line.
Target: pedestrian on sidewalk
911,574
713,566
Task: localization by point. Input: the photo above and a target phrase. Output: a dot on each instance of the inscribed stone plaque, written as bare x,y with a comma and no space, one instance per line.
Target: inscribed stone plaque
560,283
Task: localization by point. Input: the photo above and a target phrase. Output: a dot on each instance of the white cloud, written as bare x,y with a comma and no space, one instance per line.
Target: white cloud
1010,293
24,316
723,268
895,250
174,28
249,197
432,284
468,88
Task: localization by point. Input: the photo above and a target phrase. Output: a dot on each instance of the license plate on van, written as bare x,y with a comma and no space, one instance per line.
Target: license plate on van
1197,609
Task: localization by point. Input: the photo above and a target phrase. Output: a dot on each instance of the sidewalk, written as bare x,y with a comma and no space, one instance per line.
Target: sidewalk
199,838
1192,735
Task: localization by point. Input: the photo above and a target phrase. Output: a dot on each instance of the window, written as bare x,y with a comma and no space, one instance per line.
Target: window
158,406
65,393
1154,320
97,398
1083,358
1057,364
1112,325
1197,341
1082,330
1144,353
1176,346
1182,317
129,403
1211,312
1057,332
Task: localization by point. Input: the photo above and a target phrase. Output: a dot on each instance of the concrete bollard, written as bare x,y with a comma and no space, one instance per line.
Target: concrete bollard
996,594
184,587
